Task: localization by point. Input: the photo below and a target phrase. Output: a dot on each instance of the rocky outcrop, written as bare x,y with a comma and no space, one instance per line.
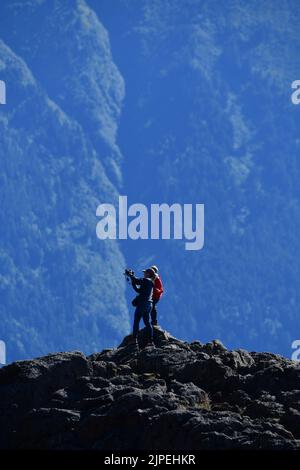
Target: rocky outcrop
176,395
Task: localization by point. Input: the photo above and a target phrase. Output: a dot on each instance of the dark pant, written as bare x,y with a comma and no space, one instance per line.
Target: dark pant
143,311
154,312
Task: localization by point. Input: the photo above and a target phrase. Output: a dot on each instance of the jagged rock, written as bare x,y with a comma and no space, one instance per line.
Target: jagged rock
291,399
42,422
260,409
291,421
237,359
190,394
215,346
238,397
30,383
175,395
209,374
160,338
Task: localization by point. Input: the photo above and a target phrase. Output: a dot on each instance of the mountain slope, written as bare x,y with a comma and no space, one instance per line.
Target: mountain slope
58,285
208,119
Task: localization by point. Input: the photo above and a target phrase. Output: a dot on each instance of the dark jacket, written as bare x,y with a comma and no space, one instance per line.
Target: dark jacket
144,287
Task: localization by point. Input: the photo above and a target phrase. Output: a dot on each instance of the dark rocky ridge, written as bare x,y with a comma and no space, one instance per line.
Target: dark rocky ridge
177,395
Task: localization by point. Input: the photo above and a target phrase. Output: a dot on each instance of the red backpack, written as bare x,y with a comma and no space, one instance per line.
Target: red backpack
158,289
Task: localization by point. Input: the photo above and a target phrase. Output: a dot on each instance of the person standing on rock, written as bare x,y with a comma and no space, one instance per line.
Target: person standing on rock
157,293
143,302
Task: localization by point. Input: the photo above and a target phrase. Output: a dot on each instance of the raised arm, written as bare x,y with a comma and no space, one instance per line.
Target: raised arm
135,281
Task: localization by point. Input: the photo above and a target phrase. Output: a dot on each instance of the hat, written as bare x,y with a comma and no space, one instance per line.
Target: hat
150,271
155,269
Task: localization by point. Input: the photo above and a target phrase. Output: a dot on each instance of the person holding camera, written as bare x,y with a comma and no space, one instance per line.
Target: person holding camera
143,302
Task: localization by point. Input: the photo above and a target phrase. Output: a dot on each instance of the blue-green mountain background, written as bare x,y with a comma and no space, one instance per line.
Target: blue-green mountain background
184,101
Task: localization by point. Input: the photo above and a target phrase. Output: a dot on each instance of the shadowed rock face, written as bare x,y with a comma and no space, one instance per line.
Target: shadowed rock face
174,396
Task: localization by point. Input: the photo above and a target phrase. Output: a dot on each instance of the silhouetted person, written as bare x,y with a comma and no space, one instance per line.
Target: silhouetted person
144,287
157,293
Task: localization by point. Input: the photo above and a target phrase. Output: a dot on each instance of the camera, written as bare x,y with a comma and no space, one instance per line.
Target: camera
128,273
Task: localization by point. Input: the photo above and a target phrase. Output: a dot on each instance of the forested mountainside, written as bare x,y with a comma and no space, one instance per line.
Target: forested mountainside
59,158
208,118
163,101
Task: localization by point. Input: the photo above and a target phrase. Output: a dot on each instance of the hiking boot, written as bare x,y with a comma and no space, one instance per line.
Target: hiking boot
154,323
150,344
